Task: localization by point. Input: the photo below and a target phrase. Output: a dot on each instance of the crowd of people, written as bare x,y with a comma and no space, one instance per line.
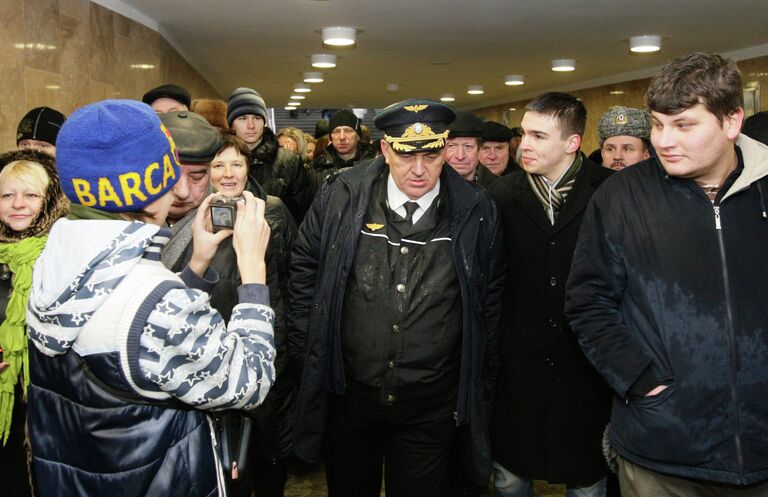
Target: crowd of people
458,308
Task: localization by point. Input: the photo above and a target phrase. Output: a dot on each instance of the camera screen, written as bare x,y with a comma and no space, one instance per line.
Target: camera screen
222,216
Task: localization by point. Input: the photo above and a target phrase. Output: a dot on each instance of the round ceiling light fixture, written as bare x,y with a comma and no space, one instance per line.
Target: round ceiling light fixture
297,97
313,77
393,87
339,36
645,44
514,80
323,60
290,107
563,65
301,88
475,90
447,97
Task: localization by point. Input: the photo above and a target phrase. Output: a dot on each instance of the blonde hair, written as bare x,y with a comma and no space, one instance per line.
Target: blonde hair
298,136
28,173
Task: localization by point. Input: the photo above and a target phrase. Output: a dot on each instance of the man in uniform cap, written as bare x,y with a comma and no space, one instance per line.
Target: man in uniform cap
167,98
345,148
494,152
514,142
38,130
394,290
624,135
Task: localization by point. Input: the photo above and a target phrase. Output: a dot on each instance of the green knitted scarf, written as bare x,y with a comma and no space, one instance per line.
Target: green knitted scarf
20,257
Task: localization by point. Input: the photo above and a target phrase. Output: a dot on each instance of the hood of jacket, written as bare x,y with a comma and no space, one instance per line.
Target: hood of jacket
755,156
83,262
55,203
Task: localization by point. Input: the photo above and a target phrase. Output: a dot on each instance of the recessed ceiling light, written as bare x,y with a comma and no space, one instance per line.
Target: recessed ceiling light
393,87
52,87
514,80
301,88
323,60
290,107
447,97
645,44
339,36
142,66
313,77
563,65
294,103
475,90
513,108
297,97
616,92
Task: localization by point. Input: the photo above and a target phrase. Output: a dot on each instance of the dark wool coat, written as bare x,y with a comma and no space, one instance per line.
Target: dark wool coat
669,286
320,265
551,406
283,174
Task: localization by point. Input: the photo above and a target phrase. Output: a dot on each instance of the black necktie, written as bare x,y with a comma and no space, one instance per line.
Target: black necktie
410,208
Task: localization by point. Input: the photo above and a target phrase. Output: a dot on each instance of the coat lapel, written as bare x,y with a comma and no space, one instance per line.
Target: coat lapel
586,183
531,204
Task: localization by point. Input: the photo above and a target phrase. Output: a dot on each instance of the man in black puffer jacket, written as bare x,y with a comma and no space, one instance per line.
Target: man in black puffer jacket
280,172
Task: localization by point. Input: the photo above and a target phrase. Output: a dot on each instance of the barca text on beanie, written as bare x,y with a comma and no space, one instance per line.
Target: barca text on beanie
116,156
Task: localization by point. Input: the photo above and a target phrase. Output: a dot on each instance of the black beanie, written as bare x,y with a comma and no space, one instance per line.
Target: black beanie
466,125
174,92
41,123
344,117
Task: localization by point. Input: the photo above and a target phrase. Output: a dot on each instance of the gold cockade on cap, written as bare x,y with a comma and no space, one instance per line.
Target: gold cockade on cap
415,108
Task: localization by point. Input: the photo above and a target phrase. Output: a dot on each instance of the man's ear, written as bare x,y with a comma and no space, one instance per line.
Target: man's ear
574,142
733,122
385,149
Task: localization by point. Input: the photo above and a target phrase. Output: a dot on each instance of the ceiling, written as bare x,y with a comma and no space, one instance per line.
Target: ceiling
429,47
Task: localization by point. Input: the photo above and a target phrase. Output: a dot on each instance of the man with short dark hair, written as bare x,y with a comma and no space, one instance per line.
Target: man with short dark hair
280,172
345,148
624,134
666,294
167,98
38,130
551,406
395,283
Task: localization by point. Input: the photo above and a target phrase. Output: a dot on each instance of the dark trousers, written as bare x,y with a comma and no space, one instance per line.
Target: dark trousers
409,441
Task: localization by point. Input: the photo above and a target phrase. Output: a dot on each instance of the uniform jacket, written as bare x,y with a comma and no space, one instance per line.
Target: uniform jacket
551,406
126,358
283,174
320,265
669,286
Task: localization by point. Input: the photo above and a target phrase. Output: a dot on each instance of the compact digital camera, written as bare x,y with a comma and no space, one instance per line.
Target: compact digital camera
224,213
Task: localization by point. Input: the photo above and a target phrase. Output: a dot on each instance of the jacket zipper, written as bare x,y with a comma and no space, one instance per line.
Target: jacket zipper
732,336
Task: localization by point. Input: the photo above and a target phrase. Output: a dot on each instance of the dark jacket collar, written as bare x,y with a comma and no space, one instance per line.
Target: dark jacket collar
266,151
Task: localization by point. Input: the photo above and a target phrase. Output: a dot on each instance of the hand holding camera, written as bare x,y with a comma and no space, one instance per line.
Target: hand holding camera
251,239
204,241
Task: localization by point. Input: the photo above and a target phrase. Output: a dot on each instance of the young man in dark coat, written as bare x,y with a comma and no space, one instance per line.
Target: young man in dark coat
279,171
667,293
394,289
551,406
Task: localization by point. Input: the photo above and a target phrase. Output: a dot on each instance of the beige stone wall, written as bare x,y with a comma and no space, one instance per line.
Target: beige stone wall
599,100
68,53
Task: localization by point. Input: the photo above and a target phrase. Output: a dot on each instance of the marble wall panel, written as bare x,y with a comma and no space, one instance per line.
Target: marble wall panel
12,76
42,35
91,61
102,44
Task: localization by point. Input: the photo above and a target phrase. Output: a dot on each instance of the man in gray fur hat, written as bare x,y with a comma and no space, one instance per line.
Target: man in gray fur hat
624,137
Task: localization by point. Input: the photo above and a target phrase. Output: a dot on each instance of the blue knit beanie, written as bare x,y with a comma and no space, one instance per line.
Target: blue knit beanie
116,156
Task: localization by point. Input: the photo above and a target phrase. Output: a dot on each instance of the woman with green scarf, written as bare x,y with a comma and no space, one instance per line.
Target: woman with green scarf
31,200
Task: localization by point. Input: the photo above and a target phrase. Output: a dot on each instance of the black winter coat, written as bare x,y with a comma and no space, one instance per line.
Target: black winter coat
665,284
283,174
330,161
320,264
274,417
551,406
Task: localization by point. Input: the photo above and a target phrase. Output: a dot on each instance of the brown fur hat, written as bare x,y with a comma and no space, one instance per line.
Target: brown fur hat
213,110
55,204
